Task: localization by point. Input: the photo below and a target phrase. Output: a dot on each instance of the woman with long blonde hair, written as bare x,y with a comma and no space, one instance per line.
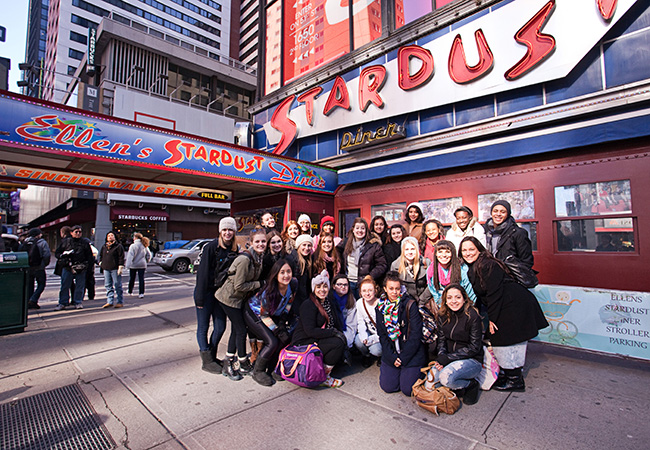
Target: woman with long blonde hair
412,270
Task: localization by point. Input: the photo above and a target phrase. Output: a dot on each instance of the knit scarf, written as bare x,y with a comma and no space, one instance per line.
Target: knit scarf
444,276
390,311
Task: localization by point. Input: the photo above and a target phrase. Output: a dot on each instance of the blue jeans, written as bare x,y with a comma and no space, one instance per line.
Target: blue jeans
394,379
367,350
38,276
211,310
79,286
113,285
456,374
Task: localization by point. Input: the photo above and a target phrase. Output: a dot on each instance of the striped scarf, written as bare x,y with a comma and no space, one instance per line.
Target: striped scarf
390,312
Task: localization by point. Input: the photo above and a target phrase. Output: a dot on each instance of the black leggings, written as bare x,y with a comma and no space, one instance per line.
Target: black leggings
272,344
237,340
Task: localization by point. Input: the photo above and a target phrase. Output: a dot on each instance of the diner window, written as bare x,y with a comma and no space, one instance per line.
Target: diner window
607,234
522,204
441,209
593,199
391,212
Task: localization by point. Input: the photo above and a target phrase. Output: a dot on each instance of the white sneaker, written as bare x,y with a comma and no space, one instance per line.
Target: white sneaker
59,307
79,306
141,296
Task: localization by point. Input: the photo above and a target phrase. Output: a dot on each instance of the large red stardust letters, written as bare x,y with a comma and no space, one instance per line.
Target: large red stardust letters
422,76
338,98
539,45
371,81
281,122
607,8
462,73
308,99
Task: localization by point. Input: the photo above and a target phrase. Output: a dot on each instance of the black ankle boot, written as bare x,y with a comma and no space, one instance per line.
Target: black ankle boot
229,369
245,366
209,364
513,381
259,372
471,393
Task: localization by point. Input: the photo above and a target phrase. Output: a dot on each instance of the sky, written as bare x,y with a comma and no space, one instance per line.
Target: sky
14,19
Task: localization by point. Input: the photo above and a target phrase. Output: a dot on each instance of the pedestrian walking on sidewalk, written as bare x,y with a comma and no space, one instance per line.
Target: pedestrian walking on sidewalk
73,254
39,254
111,261
214,255
136,261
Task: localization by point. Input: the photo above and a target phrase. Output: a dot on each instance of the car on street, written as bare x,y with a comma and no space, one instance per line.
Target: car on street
179,259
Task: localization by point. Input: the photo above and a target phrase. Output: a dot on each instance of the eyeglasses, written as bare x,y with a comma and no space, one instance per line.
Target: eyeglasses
76,231
341,284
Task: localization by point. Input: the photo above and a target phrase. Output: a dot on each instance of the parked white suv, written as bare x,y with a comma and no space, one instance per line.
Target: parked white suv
179,259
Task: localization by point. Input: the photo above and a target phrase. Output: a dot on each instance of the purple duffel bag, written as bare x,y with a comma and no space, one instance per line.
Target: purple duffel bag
302,365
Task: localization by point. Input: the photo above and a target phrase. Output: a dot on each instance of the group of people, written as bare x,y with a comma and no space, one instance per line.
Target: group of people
76,259
408,296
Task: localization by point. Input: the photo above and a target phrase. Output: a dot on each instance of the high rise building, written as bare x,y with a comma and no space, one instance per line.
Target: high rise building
202,25
36,45
249,34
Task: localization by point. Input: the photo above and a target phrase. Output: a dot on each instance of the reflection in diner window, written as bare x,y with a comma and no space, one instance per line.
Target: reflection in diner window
521,202
593,199
441,209
392,212
531,228
596,235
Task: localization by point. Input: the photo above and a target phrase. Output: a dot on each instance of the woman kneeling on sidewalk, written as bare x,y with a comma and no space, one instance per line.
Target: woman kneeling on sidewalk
319,324
460,346
269,317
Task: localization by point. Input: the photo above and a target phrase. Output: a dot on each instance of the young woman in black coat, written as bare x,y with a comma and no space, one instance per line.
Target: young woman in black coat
460,345
393,246
513,311
505,238
319,324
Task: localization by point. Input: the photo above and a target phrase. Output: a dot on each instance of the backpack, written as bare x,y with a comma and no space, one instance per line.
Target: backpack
33,252
429,323
222,269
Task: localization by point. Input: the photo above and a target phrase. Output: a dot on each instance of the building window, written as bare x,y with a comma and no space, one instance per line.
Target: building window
593,199
392,212
521,202
75,54
608,234
78,37
442,209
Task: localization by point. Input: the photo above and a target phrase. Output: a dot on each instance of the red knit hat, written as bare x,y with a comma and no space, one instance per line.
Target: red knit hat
326,219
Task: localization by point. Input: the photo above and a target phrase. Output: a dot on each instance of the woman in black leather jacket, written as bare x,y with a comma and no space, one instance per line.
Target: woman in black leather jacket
460,346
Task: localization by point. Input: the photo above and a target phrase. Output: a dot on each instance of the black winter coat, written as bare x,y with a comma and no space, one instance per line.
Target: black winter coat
110,258
512,307
212,255
392,250
371,261
310,325
81,252
413,352
460,337
513,241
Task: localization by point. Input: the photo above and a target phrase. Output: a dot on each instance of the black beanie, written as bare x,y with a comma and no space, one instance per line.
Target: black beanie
503,203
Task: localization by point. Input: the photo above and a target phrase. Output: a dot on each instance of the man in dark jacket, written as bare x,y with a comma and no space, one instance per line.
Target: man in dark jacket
111,261
74,253
39,257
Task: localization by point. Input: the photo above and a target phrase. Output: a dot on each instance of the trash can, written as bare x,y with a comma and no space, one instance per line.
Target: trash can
13,301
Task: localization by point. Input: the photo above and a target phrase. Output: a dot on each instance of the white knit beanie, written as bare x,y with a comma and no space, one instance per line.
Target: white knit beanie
227,223
304,238
304,217
321,278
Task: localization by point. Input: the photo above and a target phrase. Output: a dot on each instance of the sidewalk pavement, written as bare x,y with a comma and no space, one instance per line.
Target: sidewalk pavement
139,367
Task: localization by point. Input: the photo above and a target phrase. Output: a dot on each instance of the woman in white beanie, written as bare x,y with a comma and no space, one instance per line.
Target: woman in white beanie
300,258
319,324
305,224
